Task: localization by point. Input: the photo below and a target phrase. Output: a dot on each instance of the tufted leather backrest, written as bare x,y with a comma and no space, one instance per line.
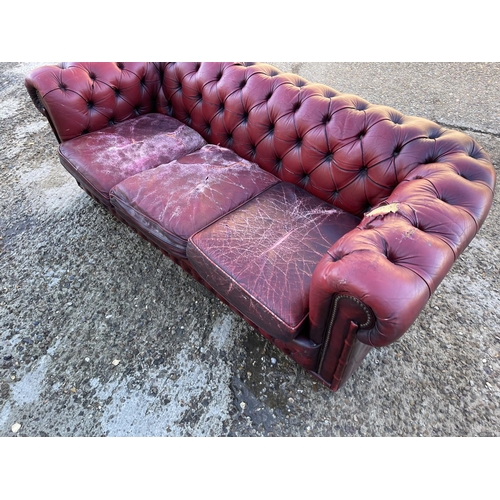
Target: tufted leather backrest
79,97
337,146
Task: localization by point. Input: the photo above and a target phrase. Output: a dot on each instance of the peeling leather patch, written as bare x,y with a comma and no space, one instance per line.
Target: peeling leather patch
386,209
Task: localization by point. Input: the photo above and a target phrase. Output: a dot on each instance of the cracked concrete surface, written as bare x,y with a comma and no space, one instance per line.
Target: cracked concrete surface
101,335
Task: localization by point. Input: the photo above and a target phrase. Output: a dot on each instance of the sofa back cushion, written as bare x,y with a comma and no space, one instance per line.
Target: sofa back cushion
337,146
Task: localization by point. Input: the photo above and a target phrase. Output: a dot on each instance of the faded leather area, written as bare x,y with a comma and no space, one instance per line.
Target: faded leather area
173,201
261,257
102,159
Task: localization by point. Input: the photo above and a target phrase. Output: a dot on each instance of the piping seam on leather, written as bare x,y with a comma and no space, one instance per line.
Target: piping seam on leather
332,320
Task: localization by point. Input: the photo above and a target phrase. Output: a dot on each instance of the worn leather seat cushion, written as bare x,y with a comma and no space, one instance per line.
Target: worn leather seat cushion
261,257
173,201
101,159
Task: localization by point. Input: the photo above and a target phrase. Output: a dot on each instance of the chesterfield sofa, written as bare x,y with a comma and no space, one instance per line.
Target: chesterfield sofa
325,221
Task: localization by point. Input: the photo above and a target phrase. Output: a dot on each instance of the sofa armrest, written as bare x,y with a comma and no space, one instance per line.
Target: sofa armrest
397,256
388,266
78,98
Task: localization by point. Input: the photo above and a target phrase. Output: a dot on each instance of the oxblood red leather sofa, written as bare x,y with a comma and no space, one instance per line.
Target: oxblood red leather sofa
323,220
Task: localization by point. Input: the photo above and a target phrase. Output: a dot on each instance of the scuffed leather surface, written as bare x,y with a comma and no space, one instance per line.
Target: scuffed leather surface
261,257
103,158
174,201
82,97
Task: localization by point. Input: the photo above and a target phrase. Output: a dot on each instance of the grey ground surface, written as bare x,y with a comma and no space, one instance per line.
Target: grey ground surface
101,335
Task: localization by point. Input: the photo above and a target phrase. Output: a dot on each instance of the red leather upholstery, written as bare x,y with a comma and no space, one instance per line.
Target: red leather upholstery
261,257
421,191
78,98
172,202
409,243
101,159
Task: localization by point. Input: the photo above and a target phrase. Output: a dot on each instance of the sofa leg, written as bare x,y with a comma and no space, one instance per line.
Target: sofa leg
341,351
352,356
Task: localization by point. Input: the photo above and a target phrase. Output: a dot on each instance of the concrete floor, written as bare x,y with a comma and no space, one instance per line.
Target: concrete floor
101,335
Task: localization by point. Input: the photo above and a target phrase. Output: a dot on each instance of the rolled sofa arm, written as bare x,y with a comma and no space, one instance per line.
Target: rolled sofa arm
403,248
389,266
78,98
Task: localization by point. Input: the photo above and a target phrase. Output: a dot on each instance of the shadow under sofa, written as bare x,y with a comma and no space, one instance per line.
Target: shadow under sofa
324,221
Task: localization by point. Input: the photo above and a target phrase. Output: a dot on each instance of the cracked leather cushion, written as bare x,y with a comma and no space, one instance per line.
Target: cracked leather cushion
100,160
171,202
261,257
